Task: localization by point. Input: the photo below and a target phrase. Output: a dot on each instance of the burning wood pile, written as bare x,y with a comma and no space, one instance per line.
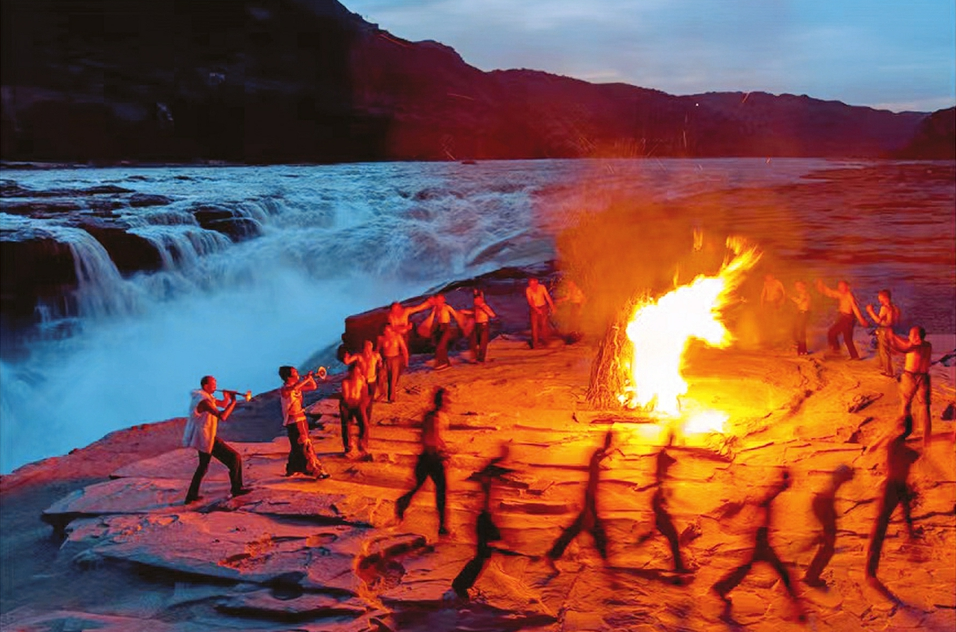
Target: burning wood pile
640,360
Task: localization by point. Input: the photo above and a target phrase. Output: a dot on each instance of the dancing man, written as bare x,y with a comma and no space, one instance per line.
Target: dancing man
848,315
395,350
899,459
888,318
662,517
431,462
201,425
588,519
915,382
762,552
353,407
824,508
486,531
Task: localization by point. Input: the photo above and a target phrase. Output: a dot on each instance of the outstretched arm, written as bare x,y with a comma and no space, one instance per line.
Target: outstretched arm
418,308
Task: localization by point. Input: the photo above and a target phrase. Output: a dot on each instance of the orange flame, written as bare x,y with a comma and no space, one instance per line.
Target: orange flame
661,330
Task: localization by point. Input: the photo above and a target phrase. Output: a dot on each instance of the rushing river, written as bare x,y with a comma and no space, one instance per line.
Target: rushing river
332,241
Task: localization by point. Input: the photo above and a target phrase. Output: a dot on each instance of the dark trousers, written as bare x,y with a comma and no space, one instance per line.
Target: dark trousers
800,331
479,341
916,387
486,531
540,327
297,461
441,337
762,553
587,519
844,325
828,544
225,455
429,465
893,494
665,524
393,366
347,414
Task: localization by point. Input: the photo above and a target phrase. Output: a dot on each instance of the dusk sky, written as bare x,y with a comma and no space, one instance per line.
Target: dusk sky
882,53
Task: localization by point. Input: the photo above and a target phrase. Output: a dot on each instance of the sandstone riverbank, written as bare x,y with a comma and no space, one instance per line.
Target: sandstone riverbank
100,538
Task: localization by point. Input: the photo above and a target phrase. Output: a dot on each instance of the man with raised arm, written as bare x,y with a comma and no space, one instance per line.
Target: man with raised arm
915,382
848,315
302,458
201,425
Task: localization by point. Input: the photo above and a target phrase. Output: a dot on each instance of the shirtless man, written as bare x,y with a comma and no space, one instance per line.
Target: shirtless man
848,314
899,459
398,317
370,363
442,313
353,406
575,297
772,299
540,305
431,462
801,301
395,350
888,318
482,313
915,382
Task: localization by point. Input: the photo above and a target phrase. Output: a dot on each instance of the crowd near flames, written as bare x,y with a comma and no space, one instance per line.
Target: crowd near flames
660,331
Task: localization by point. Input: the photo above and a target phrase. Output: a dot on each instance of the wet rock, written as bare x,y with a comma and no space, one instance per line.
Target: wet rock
263,604
227,222
34,269
141,200
129,252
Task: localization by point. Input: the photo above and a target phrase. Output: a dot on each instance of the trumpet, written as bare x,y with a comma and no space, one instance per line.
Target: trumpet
321,372
237,394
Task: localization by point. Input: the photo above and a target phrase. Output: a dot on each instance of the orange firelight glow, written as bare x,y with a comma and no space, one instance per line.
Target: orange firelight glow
661,329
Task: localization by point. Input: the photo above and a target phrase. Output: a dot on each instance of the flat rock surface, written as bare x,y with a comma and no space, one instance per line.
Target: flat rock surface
302,554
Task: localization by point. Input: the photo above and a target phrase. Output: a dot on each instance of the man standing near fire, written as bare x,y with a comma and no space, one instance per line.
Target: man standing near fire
888,318
201,425
848,315
915,382
541,306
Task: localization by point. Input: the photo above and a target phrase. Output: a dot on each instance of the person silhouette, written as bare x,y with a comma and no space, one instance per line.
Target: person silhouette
762,552
588,519
824,508
486,531
899,459
431,462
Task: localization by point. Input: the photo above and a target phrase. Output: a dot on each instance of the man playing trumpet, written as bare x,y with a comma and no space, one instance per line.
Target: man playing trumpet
201,425
302,458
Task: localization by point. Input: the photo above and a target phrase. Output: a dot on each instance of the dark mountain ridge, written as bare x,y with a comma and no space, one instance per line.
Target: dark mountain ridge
270,81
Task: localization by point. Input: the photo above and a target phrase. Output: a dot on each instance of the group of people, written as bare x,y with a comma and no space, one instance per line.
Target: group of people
376,369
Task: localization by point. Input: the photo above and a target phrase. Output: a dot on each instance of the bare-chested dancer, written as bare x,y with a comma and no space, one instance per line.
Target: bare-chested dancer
763,552
353,406
801,301
662,517
442,315
431,462
482,313
398,317
915,382
370,364
824,509
885,320
848,314
588,519
395,351
899,459
540,306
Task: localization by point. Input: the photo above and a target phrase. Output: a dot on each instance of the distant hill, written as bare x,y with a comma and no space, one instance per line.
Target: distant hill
935,137
264,81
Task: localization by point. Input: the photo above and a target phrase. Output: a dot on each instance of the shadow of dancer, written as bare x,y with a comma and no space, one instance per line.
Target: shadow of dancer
588,519
899,459
486,531
431,462
662,517
763,552
824,508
